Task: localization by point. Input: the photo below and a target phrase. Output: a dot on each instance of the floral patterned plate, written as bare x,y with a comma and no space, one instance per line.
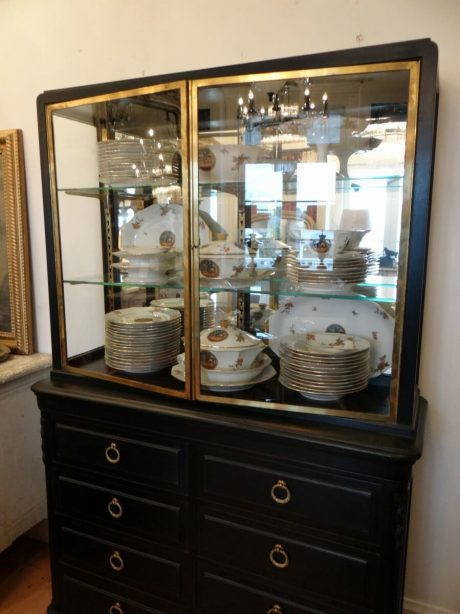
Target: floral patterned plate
352,317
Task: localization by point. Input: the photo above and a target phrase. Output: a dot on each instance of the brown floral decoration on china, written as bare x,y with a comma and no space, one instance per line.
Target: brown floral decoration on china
167,238
209,268
287,307
165,209
237,270
208,360
382,364
206,159
336,328
218,335
238,162
136,223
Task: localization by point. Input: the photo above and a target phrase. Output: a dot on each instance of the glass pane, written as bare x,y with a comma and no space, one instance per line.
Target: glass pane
305,178
119,164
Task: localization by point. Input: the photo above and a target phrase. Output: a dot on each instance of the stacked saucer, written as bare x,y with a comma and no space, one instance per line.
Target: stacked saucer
207,310
372,260
324,366
142,339
344,269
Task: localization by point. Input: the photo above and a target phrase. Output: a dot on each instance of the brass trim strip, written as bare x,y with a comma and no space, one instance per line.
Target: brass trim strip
303,73
408,183
307,409
170,392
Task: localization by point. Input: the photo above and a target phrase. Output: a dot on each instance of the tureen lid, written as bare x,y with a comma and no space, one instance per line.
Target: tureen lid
221,248
226,338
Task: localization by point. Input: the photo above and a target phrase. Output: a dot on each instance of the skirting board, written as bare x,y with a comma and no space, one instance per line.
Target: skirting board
417,607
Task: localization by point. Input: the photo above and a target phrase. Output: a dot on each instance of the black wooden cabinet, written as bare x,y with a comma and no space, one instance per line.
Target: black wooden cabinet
233,411
161,507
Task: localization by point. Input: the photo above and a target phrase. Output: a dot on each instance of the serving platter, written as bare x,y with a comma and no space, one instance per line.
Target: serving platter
362,318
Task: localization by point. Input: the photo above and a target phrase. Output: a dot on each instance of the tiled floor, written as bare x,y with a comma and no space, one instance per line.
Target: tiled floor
25,586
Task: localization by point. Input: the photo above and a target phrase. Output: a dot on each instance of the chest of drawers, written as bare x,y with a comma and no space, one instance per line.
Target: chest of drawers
164,508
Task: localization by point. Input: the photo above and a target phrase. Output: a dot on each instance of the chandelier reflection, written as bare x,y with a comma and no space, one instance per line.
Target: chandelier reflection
288,116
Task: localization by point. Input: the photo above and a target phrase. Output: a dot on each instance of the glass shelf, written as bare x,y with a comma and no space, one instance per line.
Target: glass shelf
125,192
275,287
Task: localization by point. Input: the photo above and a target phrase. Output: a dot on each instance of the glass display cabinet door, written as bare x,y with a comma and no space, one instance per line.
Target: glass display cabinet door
305,178
119,194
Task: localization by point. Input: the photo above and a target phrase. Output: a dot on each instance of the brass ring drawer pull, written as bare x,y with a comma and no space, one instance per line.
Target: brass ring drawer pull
116,608
276,609
115,509
280,492
279,557
112,454
116,562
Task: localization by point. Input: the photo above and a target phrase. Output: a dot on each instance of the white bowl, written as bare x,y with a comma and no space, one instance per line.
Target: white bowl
237,375
221,260
228,347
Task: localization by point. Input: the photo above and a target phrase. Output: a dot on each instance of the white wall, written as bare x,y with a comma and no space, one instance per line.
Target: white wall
58,43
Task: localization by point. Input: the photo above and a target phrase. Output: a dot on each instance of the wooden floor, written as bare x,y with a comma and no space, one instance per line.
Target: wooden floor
25,586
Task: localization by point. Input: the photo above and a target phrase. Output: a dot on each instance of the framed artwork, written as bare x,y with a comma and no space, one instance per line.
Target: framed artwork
15,290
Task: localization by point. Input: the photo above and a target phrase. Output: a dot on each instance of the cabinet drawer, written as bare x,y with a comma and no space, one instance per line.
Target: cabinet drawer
304,567
313,499
155,463
219,595
124,565
81,598
118,510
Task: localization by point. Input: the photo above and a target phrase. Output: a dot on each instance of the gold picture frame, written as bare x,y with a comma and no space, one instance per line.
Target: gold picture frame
15,290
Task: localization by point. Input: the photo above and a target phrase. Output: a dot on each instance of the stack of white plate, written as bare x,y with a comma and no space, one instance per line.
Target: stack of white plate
207,310
344,269
372,260
324,366
142,339
125,162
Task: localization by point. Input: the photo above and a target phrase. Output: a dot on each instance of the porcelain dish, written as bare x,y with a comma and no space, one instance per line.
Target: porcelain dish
228,347
235,375
221,259
158,226
363,318
142,339
324,366
178,372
